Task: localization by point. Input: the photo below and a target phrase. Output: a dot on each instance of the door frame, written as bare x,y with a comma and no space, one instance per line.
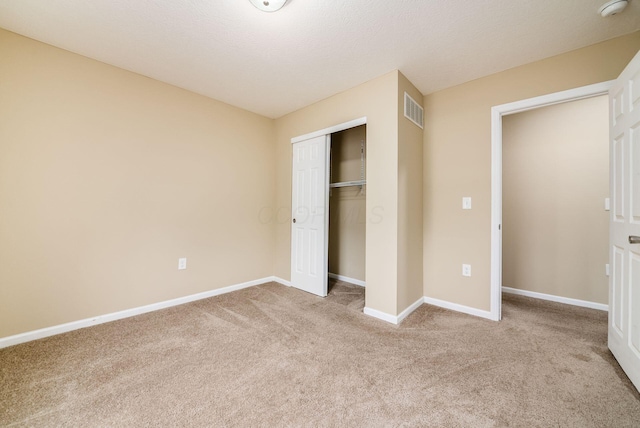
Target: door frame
497,112
331,130
323,132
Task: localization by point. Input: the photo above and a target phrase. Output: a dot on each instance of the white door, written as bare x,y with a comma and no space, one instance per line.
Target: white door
310,215
624,287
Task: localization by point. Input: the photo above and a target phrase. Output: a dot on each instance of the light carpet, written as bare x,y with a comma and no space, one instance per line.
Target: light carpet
276,356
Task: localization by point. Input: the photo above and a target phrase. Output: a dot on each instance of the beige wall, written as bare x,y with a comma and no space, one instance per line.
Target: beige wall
394,190
410,195
457,161
347,206
108,177
394,195
555,234
375,100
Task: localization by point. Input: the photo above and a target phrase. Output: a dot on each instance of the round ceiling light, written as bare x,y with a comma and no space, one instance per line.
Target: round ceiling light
268,5
612,8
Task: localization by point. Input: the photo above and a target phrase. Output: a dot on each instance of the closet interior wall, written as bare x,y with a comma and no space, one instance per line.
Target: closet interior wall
347,205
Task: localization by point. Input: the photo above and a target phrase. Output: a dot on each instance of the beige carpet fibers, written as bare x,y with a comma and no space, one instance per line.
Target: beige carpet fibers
275,356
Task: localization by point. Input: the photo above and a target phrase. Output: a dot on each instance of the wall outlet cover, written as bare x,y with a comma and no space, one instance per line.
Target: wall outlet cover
466,270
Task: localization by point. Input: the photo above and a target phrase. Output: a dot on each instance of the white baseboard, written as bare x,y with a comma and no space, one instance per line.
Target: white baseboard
347,279
394,319
552,298
380,315
281,281
415,305
458,308
101,319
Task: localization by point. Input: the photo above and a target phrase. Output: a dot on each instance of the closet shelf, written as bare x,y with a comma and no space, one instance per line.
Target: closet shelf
348,183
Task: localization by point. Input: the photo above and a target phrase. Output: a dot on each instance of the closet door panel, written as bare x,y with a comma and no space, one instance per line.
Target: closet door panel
310,217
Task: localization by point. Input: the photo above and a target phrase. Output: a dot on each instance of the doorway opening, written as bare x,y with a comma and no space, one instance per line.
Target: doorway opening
328,231
555,222
497,114
347,216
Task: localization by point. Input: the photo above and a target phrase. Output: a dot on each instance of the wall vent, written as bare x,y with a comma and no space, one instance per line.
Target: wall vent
413,111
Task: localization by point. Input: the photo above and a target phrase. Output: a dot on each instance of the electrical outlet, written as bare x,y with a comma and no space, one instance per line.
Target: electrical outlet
182,263
466,270
466,203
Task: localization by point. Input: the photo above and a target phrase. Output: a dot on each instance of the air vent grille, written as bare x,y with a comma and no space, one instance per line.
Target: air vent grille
413,111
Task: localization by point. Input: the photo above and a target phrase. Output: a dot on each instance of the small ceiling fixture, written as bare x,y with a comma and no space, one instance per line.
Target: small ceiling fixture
612,8
268,5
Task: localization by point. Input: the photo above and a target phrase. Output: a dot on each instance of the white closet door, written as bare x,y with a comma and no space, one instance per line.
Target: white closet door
310,215
624,289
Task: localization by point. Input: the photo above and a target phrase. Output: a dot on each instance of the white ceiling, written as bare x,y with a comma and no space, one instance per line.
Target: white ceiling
275,63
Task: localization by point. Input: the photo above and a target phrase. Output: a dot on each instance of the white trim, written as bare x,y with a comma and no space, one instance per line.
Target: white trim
325,254
458,308
496,172
101,319
559,299
496,215
380,315
281,281
347,279
331,129
393,319
574,94
412,307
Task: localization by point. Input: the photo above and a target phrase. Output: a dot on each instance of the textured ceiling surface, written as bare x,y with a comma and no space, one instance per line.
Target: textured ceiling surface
275,63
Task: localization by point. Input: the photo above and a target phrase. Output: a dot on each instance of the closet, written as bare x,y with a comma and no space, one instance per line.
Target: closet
347,205
328,207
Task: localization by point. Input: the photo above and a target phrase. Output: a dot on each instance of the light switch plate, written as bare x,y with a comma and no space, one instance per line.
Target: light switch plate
466,203
182,263
607,204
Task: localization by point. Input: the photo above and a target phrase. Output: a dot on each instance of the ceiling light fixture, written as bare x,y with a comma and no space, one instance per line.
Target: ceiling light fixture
268,5
612,8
